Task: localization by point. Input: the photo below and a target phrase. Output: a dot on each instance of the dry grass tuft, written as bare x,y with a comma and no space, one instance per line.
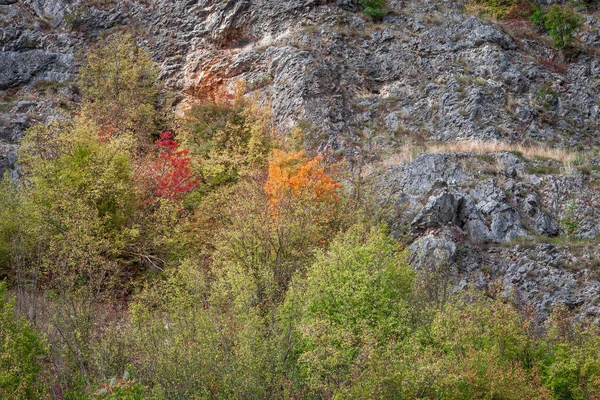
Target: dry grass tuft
410,150
477,147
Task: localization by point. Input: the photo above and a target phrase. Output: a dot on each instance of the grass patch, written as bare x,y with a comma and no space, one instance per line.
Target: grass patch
49,87
488,158
531,242
497,9
6,107
545,96
542,169
568,161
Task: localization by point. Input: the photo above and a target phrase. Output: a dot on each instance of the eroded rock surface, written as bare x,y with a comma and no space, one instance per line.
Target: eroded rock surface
503,217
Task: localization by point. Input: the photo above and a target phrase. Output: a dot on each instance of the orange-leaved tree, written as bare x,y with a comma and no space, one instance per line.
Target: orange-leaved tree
297,176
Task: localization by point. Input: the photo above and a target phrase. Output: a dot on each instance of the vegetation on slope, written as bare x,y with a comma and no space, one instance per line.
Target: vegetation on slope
204,257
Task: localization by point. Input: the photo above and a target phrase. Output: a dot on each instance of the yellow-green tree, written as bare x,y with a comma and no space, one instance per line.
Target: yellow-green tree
355,302
84,191
21,354
228,136
119,85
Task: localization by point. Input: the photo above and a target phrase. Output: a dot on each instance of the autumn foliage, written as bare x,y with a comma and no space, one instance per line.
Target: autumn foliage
265,282
296,175
172,170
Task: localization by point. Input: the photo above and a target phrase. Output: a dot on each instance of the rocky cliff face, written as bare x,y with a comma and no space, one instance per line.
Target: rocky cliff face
428,72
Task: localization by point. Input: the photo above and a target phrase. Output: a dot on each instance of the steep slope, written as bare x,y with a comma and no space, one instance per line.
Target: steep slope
377,93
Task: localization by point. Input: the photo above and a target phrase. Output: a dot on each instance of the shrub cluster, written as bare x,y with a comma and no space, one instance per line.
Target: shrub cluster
561,22
374,8
22,350
493,8
201,257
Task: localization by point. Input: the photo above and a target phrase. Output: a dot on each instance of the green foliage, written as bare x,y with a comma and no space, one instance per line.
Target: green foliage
91,221
537,18
229,137
561,22
226,334
82,192
245,288
118,81
488,357
81,166
256,247
570,357
355,298
10,223
21,354
569,223
374,8
493,8
118,71
192,348
258,254
123,389
130,392
89,184
545,96
472,348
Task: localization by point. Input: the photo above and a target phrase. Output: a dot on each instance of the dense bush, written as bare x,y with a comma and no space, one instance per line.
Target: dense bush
355,299
493,8
9,224
208,259
99,196
570,357
228,136
374,8
21,354
561,22
118,83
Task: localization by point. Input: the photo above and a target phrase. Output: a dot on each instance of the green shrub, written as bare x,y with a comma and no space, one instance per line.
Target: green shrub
9,223
88,181
216,332
229,136
356,302
492,8
189,347
488,357
569,223
560,22
82,191
570,357
374,8
21,353
537,18
545,96
120,90
474,348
